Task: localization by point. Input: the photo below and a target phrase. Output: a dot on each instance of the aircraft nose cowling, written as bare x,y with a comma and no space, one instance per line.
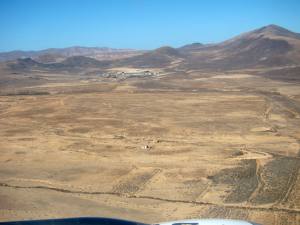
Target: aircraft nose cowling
209,222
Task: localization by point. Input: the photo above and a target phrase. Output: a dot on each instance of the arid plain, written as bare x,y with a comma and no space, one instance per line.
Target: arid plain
200,131
165,148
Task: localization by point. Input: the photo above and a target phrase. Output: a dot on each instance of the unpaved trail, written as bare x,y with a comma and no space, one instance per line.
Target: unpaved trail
260,180
233,206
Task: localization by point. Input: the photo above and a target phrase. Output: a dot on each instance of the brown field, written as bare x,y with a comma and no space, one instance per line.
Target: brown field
174,147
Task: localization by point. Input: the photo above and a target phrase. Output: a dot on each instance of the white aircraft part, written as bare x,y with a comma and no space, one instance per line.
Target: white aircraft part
208,222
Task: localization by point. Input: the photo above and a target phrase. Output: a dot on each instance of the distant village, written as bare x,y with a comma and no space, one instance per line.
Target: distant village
124,75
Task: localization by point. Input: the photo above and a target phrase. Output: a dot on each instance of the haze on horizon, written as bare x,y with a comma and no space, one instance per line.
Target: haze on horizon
138,24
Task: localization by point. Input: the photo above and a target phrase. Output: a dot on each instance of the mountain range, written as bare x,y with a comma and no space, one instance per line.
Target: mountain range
52,55
269,46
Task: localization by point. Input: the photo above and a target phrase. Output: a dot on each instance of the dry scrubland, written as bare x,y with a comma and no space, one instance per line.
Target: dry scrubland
214,145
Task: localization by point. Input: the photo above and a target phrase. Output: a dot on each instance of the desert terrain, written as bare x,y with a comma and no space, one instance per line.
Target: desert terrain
150,144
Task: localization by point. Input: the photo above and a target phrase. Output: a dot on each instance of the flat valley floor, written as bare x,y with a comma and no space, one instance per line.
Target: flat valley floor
224,146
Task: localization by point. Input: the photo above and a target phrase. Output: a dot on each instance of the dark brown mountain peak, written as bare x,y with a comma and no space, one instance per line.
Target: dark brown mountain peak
275,30
166,50
23,63
191,47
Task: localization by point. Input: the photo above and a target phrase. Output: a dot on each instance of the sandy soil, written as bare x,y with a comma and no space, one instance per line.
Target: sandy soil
152,150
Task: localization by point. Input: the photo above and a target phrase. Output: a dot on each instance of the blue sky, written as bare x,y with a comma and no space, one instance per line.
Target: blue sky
141,24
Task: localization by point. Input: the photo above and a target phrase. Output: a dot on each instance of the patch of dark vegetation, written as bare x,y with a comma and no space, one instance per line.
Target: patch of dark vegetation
237,153
172,152
118,137
80,145
80,89
225,212
242,179
279,176
80,130
27,92
17,131
20,152
154,85
26,139
35,112
135,183
289,74
287,219
284,101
